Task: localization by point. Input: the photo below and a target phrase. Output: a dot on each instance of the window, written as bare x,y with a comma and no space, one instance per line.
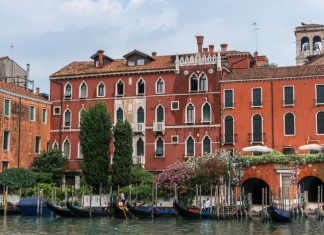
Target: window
203,83
32,113
6,140
57,110
159,147
320,94
257,128
289,124
101,90
80,153
160,114
140,87
174,139
193,83
44,116
320,122
190,113
288,95
229,130
82,111
228,97
131,63
206,113
120,88
140,62
288,150
37,144
140,115
190,147
160,86
66,148
140,147
206,145
83,91
55,145
5,165
68,91
256,97
174,105
7,107
120,114
67,118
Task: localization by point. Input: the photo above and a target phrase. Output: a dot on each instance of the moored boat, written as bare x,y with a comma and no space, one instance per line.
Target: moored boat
279,215
34,206
85,212
60,211
146,211
121,212
11,210
191,214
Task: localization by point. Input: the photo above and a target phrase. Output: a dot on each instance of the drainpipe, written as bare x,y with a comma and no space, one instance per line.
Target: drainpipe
19,133
61,104
272,114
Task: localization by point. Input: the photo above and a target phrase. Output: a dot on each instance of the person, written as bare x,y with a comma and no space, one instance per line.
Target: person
122,197
206,204
203,205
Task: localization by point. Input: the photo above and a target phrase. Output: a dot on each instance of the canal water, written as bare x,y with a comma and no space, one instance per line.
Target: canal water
71,226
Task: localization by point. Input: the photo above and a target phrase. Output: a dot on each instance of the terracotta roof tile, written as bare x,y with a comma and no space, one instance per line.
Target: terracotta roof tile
275,72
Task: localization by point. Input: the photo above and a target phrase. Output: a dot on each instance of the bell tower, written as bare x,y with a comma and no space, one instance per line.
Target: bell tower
309,41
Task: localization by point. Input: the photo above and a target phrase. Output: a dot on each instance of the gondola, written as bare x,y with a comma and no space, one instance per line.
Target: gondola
191,214
60,211
146,212
121,212
85,212
279,215
11,210
33,206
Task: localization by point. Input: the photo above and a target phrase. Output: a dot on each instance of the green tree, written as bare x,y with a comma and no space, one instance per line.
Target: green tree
49,167
123,162
17,178
95,137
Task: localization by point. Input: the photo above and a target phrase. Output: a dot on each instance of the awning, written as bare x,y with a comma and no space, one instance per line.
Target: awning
317,147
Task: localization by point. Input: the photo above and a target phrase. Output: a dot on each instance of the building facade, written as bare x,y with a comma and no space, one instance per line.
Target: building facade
24,125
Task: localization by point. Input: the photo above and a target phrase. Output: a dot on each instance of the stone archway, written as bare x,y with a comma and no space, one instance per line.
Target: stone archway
254,186
310,184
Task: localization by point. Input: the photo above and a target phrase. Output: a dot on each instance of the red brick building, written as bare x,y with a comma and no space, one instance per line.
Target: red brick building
24,125
173,102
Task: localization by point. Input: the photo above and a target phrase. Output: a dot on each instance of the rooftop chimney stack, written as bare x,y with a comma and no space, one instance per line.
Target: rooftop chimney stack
154,53
37,91
255,55
224,47
200,42
100,58
211,48
27,71
205,49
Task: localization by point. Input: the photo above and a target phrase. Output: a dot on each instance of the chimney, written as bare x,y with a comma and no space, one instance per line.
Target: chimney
255,55
200,42
154,53
100,58
211,48
224,47
27,71
37,91
205,49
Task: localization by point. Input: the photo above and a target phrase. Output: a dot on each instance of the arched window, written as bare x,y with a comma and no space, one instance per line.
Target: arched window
55,145
120,114
320,122
101,90
203,83
68,91
229,129
193,83
160,114
160,86
140,115
80,153
190,113
67,118
82,111
140,147
305,44
83,91
159,152
289,124
317,44
67,148
120,88
206,145
190,147
141,87
257,128
206,117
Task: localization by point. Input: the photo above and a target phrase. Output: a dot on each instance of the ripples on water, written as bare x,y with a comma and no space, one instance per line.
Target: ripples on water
70,226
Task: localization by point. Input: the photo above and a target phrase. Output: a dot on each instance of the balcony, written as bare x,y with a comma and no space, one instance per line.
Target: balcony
229,140
257,138
158,127
139,160
138,128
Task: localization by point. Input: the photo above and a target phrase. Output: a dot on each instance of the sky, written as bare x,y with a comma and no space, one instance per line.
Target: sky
49,34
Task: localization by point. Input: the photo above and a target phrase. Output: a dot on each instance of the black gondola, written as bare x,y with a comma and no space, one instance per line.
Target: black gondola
121,212
279,215
11,210
191,214
85,212
60,211
146,212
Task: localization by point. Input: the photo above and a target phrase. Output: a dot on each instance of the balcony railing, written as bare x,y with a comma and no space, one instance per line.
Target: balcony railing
158,127
139,160
229,140
138,127
256,138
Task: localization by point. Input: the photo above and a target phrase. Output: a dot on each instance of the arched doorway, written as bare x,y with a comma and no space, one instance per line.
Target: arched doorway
310,184
254,186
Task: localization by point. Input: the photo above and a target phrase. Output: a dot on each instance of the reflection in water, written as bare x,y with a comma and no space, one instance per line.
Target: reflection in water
34,225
